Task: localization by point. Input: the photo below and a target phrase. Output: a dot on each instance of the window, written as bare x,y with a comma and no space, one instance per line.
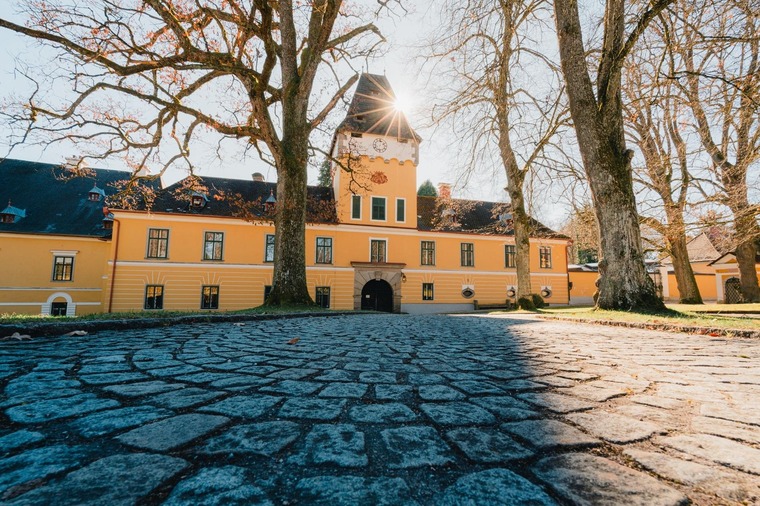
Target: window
356,207
427,291
158,243
269,252
509,256
324,250
63,268
378,208
468,254
154,297
545,257
401,210
210,297
323,296
377,251
427,253
212,245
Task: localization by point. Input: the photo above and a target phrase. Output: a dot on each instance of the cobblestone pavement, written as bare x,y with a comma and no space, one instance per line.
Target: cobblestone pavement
381,409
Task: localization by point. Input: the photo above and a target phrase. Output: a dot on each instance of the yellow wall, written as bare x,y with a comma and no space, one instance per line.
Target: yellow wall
584,287
26,272
705,282
243,274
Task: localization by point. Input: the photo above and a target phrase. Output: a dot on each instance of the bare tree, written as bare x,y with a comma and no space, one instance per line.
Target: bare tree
719,45
151,77
485,49
597,113
655,111
581,227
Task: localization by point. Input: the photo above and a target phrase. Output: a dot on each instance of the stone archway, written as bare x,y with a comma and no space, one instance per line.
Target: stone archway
55,307
364,272
377,295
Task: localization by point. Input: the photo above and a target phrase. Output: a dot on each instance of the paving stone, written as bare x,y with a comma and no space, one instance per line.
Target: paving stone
293,374
727,429
205,377
594,393
258,369
719,482
243,406
105,367
506,407
577,375
338,444
39,395
487,445
507,374
313,409
266,438
425,379
557,402
112,420
143,388
352,490
589,480
18,439
393,392
409,447
241,382
382,413
290,387
494,487
439,393
361,366
52,409
658,402
346,390
218,486
37,464
111,378
555,381
550,434
378,377
457,413
172,432
614,428
174,370
521,385
667,419
477,387
116,480
720,410
183,398
717,449
337,375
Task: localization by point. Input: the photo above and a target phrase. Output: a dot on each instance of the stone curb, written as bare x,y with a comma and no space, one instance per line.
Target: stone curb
60,328
667,327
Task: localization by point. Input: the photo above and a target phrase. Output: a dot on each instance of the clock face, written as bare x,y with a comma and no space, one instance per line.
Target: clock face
380,145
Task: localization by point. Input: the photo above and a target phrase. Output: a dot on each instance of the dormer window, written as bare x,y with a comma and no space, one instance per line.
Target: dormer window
198,200
96,194
11,214
449,216
107,219
270,202
356,135
360,118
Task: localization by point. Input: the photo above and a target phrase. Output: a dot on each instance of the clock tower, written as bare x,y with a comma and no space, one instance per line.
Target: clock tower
375,181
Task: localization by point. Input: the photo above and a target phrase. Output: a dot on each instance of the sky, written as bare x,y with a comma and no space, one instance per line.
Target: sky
438,151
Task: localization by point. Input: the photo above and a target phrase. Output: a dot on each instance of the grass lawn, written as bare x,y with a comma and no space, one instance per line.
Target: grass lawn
261,310
681,314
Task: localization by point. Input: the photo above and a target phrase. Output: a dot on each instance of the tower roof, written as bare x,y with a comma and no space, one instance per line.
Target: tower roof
373,110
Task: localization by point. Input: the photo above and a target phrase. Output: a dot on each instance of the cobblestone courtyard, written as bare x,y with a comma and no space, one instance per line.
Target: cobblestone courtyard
381,409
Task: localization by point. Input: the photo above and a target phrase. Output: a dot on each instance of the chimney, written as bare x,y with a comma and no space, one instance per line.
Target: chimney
258,177
444,190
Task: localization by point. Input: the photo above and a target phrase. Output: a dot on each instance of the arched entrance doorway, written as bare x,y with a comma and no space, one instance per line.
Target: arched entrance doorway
733,291
377,295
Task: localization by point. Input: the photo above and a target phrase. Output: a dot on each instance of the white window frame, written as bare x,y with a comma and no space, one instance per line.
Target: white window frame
360,207
385,240
400,199
371,206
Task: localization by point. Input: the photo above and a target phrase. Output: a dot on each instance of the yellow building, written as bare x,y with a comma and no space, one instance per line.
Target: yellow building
372,243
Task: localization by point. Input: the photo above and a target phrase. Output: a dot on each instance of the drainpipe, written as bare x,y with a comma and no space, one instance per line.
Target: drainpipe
567,271
115,258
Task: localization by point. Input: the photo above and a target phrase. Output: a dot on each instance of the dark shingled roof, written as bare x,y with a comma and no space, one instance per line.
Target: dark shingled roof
54,201
472,216
372,110
238,198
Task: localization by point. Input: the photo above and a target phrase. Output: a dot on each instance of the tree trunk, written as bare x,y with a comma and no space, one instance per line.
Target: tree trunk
687,284
746,257
521,223
625,283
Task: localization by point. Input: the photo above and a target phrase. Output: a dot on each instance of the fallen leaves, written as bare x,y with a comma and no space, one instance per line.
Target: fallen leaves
76,333
294,340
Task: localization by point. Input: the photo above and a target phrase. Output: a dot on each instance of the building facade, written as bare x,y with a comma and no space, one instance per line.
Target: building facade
372,243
